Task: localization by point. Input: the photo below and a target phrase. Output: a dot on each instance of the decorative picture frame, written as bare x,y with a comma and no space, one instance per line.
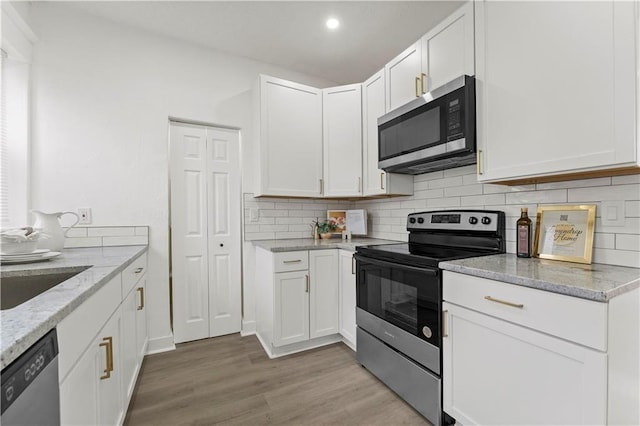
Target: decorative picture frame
565,232
339,217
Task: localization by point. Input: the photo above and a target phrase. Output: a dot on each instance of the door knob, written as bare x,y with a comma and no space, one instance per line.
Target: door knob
221,245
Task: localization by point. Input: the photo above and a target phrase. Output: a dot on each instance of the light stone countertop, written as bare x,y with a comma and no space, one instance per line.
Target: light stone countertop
311,244
597,282
25,324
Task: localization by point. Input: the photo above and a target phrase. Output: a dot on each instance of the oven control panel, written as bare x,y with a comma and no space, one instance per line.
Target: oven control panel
455,220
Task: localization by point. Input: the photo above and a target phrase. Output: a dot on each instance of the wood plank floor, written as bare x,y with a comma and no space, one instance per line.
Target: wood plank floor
230,380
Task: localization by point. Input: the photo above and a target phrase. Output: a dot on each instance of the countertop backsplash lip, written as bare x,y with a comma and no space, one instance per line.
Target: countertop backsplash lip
597,281
24,324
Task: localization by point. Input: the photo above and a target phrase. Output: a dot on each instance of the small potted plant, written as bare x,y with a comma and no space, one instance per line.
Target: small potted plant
325,229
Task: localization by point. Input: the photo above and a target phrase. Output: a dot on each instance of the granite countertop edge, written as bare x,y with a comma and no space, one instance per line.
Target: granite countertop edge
542,284
22,333
285,245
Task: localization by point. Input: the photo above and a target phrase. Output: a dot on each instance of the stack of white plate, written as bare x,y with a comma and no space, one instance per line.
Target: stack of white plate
37,256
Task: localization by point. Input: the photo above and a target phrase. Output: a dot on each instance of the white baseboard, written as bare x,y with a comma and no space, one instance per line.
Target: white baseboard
161,344
276,352
248,328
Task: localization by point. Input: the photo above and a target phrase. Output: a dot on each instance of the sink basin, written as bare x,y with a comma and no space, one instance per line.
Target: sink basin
16,290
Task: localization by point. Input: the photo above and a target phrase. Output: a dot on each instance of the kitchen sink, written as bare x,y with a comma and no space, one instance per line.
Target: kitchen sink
16,290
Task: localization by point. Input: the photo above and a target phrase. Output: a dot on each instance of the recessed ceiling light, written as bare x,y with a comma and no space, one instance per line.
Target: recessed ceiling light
333,23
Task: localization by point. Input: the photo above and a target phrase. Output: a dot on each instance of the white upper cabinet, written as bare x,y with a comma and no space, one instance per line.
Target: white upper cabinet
290,126
556,88
403,77
342,125
376,181
448,50
444,53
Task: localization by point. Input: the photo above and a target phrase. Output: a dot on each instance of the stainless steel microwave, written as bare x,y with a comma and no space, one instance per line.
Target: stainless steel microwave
433,132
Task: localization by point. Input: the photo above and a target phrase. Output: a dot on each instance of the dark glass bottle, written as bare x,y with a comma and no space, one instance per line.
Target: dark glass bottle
523,234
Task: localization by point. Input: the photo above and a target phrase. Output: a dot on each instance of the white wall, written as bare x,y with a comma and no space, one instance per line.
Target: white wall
102,96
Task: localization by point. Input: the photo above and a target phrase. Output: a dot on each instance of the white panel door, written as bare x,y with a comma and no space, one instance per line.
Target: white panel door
291,308
447,50
205,221
402,77
224,192
342,125
324,293
189,232
496,372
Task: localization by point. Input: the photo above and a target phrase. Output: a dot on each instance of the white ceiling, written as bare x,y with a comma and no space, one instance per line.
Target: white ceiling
291,34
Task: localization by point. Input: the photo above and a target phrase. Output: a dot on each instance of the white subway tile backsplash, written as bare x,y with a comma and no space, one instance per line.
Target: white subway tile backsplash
111,231
273,228
616,257
583,183
142,230
606,193
537,197
623,180
441,203
628,242
82,242
456,191
274,213
446,182
125,241
483,200
461,171
632,209
604,241
428,176
76,232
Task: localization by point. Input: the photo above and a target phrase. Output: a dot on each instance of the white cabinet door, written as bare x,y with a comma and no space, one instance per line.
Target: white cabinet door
342,125
348,298
402,76
376,181
110,404
556,87
142,335
79,390
128,347
495,372
291,307
448,50
290,138
324,298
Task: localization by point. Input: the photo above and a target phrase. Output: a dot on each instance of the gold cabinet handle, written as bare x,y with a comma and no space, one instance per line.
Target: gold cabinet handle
141,291
382,181
138,270
422,78
504,302
479,161
292,261
321,187
416,85
353,265
306,290
107,343
444,317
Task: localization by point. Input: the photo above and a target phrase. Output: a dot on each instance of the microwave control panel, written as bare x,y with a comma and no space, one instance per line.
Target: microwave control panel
455,109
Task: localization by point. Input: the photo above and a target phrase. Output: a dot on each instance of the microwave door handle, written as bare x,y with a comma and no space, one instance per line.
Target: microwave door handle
427,271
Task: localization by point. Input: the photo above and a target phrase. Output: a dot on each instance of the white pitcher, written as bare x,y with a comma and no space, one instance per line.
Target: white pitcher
48,223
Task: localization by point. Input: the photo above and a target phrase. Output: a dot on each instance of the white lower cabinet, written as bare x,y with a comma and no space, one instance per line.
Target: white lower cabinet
101,346
297,300
496,372
91,393
347,298
517,355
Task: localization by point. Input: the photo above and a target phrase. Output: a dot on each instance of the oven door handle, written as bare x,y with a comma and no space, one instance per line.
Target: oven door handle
425,270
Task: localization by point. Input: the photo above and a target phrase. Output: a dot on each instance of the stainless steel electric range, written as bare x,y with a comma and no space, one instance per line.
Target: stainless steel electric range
399,300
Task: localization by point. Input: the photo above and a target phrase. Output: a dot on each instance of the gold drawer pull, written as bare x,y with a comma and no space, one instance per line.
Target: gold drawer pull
107,343
138,270
444,317
504,302
307,287
141,291
422,77
292,261
382,180
417,82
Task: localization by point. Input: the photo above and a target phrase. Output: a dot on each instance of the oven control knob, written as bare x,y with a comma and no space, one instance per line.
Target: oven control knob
486,220
473,220
427,332
412,220
421,220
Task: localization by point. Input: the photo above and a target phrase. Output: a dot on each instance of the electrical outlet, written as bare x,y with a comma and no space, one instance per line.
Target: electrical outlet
85,215
612,213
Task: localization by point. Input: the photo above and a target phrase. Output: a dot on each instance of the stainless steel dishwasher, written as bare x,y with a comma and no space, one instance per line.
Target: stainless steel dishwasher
30,392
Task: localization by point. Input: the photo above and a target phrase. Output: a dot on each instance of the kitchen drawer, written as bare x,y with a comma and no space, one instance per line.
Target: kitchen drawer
132,274
77,330
291,261
571,318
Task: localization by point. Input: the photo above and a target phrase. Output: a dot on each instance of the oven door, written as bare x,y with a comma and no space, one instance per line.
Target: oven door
401,305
